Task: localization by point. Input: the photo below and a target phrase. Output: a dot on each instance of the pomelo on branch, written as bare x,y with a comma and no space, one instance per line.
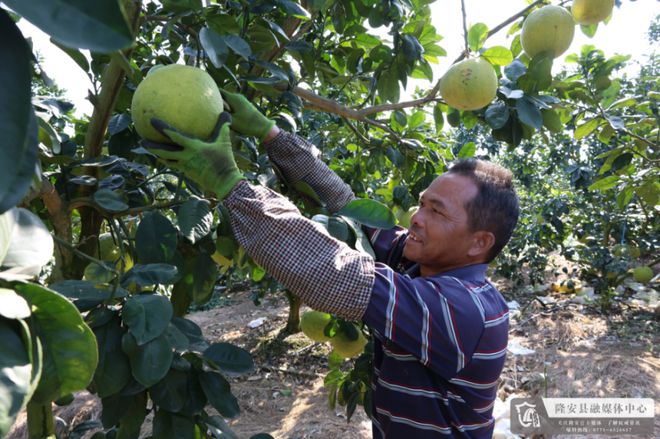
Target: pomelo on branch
183,96
548,29
643,274
470,84
343,346
591,11
313,323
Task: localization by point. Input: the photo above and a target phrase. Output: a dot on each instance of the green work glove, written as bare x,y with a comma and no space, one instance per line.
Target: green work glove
246,119
210,163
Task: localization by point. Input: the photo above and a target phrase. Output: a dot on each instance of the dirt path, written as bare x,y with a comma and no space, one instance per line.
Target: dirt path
577,351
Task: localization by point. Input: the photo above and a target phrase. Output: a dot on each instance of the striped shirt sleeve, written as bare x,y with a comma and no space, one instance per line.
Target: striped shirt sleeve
429,318
325,273
298,160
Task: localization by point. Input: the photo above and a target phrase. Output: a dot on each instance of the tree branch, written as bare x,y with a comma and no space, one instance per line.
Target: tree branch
319,103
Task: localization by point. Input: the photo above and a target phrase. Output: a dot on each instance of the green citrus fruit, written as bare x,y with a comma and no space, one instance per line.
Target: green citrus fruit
643,274
347,348
183,96
620,250
548,29
591,11
96,273
404,216
313,323
469,85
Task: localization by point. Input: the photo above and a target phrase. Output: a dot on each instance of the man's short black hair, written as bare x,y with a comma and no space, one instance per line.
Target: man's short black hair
495,207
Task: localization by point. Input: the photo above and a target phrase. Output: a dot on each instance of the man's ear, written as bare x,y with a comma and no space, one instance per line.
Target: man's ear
482,242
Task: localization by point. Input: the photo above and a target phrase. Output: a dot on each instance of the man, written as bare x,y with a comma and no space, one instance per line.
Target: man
440,327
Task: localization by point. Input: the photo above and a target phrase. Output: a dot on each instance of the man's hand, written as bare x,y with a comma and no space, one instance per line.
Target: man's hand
246,119
209,163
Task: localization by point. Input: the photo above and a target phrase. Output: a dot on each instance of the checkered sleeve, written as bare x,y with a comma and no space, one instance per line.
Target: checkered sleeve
299,160
327,274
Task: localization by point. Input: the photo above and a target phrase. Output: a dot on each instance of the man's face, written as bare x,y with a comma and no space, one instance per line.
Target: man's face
439,238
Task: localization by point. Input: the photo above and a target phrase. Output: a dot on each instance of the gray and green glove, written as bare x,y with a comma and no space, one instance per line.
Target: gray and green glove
246,118
210,163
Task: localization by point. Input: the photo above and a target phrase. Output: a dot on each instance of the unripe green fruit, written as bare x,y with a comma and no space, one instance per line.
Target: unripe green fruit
313,323
591,11
469,85
643,274
343,346
185,97
548,29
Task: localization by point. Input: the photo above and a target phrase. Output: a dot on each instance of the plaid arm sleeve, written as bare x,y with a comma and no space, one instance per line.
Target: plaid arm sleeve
298,160
327,274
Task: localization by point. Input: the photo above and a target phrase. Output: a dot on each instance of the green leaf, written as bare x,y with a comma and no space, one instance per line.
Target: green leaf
31,245
498,55
214,45
13,306
180,6
467,150
18,123
649,192
199,278
438,118
552,121
219,428
624,197
587,128
113,371
528,113
172,426
605,183
134,413
69,346
192,332
110,200
171,392
238,45
219,394
370,213
195,219
294,9
85,294
231,359
589,30
388,85
515,70
155,239
149,362
477,35
147,316
15,374
497,114
150,274
412,50
98,26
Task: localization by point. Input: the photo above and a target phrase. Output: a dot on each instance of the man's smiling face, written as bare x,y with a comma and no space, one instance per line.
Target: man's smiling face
440,238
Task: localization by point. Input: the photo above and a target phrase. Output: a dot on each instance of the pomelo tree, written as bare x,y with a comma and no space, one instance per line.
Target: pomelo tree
582,143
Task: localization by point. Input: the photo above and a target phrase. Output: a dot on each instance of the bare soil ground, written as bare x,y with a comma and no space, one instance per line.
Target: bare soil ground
578,351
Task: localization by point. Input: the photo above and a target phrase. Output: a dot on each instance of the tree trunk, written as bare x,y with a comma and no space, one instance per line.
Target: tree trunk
293,321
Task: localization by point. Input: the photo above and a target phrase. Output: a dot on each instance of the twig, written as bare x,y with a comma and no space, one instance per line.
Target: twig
84,255
465,31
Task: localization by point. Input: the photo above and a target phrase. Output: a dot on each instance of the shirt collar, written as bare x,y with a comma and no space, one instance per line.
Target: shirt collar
475,272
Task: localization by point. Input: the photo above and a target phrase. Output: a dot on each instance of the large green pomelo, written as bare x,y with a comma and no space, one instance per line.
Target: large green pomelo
469,85
313,323
183,96
548,29
591,11
347,348
643,274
